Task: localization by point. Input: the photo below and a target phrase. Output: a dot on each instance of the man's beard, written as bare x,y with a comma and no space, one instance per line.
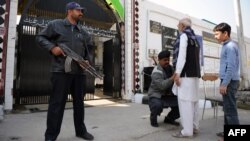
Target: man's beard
77,18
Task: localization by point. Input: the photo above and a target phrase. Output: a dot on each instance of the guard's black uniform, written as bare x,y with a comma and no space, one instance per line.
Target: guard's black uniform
61,31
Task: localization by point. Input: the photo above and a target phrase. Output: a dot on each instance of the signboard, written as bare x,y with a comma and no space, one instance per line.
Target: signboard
211,52
155,27
169,36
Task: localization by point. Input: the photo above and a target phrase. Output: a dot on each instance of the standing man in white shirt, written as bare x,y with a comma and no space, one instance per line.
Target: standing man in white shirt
187,79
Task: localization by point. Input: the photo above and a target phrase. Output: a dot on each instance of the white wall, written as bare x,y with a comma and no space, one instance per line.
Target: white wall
150,11
10,55
128,52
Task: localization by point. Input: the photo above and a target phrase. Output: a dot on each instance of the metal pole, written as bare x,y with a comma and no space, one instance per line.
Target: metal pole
243,65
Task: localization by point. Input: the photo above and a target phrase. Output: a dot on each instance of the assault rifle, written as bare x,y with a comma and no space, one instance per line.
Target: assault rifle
71,55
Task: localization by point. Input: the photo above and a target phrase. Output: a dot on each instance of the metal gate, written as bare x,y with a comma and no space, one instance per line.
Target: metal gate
32,84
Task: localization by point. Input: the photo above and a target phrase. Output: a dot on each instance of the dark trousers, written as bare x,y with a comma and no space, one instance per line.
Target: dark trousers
156,106
229,104
63,84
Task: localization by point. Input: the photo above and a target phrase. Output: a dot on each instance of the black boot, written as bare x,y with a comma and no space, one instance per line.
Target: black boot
153,121
86,136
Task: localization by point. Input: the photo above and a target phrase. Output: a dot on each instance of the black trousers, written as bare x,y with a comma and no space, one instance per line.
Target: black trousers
63,84
156,106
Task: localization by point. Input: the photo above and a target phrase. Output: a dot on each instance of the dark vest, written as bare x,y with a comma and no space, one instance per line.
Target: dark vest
192,65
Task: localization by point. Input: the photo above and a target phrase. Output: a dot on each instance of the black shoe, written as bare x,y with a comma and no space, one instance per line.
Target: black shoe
170,121
153,121
49,140
86,136
220,134
154,124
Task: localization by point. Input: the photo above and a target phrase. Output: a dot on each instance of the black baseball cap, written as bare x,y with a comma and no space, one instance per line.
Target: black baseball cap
74,5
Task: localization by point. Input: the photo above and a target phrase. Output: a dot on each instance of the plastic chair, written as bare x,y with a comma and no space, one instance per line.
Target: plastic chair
216,99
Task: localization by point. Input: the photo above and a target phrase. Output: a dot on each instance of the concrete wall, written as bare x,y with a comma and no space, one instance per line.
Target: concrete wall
128,52
10,55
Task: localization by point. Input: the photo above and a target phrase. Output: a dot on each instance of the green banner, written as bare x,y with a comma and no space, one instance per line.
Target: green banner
117,6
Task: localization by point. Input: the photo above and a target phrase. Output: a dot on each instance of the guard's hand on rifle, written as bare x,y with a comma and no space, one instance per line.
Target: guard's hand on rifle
87,62
84,64
57,51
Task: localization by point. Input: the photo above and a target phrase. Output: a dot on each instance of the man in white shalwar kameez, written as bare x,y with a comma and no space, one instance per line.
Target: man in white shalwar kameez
187,79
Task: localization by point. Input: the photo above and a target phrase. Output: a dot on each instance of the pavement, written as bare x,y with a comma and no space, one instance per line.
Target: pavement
108,120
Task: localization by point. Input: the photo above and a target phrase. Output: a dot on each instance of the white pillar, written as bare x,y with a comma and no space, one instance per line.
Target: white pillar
10,55
128,51
243,66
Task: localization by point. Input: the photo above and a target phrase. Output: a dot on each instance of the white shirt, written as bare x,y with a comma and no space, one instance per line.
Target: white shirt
181,60
189,86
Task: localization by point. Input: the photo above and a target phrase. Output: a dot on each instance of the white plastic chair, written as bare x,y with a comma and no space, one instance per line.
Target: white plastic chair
215,99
